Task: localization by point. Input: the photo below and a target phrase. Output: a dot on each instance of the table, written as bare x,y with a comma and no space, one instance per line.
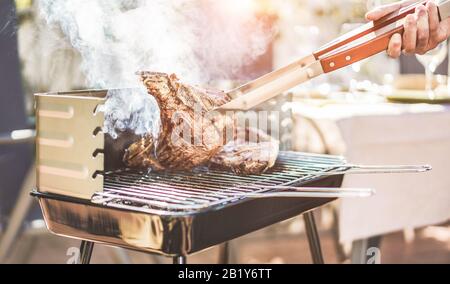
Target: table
387,133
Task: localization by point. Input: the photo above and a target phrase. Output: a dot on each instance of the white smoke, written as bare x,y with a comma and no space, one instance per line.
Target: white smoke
130,109
198,40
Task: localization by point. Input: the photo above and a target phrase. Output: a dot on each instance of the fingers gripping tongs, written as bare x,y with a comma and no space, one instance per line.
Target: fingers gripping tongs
368,40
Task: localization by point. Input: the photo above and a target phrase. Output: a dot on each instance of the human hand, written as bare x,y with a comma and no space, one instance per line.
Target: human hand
423,30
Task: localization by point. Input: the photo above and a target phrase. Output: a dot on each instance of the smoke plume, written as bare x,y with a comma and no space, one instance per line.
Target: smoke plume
199,40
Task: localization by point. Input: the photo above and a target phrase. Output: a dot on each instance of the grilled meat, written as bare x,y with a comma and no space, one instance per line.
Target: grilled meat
188,137
141,154
252,152
192,136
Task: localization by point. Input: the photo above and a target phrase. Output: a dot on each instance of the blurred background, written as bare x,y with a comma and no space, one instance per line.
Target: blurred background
379,111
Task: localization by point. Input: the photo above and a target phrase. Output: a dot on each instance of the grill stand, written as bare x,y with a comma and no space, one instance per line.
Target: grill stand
86,250
224,253
313,238
313,241
315,248
181,260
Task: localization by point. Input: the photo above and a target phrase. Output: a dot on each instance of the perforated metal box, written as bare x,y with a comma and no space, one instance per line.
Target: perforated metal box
69,143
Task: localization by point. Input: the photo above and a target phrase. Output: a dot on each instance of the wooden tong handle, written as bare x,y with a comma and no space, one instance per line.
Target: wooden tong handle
359,52
367,29
375,38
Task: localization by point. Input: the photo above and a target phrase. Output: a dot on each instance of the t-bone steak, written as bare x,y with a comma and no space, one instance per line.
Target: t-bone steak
191,135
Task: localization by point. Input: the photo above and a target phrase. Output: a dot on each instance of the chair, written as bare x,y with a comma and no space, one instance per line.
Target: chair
15,150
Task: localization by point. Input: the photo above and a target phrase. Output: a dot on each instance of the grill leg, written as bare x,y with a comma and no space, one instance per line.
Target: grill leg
339,248
86,249
224,253
313,238
180,260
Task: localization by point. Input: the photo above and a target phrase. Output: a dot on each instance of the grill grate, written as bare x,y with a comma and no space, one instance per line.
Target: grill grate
184,193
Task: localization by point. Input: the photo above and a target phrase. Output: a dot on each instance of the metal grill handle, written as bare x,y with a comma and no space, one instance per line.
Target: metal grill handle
359,169
313,192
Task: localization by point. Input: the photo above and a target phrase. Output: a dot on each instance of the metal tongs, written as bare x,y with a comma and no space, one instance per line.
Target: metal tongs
352,47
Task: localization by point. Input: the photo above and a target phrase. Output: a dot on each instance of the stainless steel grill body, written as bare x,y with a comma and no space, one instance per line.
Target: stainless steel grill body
176,214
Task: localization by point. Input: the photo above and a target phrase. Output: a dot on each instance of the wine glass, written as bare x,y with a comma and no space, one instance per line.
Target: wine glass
431,61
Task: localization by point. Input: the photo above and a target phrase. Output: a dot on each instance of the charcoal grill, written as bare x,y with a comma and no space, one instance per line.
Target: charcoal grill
178,214
170,214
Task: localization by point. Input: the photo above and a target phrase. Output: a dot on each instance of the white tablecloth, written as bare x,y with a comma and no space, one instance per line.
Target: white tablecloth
385,133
